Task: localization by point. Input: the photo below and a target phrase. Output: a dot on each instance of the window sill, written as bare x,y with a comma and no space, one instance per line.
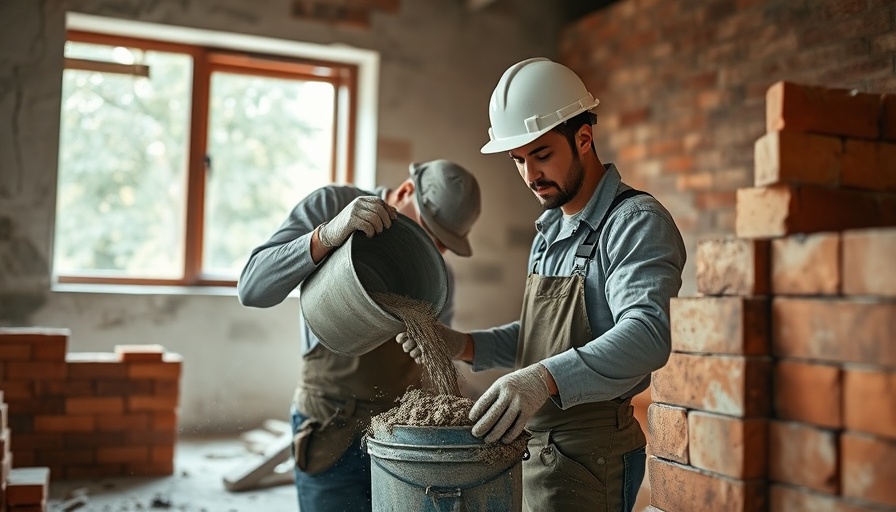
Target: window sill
130,289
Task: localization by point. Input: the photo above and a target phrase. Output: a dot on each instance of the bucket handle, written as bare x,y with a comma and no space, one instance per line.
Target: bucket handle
451,497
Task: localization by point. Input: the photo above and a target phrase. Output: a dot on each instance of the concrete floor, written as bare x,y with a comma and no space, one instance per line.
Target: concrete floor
196,485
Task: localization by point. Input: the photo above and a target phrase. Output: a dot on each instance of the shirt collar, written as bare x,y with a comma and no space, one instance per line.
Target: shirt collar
597,206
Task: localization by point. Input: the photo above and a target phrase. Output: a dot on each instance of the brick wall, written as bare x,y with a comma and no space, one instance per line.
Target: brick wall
682,86
89,414
780,393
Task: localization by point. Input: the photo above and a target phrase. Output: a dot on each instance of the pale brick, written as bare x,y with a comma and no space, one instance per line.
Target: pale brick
798,158
733,385
869,467
808,392
839,331
815,109
720,325
733,266
676,487
729,446
869,401
667,431
803,455
868,262
27,486
806,264
781,210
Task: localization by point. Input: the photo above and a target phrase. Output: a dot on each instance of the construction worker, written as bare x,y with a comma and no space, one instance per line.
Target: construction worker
604,264
337,395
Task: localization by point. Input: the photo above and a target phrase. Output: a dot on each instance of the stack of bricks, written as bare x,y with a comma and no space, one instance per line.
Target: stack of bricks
85,415
21,489
780,393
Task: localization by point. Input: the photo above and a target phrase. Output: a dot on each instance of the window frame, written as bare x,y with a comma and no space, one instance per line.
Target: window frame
207,59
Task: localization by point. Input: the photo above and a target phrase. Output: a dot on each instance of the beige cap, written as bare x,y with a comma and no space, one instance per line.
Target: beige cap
449,202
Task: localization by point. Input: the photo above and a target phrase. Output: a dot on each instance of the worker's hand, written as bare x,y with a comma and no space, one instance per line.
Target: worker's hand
454,343
369,214
505,407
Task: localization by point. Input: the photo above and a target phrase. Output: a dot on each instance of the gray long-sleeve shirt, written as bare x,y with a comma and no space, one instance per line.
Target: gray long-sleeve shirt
629,283
276,267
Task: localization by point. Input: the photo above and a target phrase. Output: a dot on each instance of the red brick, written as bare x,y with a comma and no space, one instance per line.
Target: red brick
50,348
869,464
119,387
806,264
814,109
869,165
888,117
39,441
10,351
140,353
150,468
733,385
63,388
45,405
839,331
868,262
798,158
779,210
803,455
869,401
94,405
167,370
720,325
67,423
93,471
96,369
17,389
783,498
729,446
150,438
35,370
151,403
168,420
733,266
161,454
79,455
809,393
676,487
96,439
123,422
667,431
166,387
122,455
27,486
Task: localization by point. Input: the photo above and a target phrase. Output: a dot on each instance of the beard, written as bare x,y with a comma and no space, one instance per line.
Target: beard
575,177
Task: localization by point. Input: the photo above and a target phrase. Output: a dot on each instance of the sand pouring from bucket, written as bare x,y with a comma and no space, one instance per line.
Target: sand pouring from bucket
336,300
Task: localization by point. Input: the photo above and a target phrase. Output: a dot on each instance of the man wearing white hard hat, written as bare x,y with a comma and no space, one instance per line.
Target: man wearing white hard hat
605,262
337,394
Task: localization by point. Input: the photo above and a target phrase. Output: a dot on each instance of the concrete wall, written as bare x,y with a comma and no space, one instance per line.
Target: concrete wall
439,62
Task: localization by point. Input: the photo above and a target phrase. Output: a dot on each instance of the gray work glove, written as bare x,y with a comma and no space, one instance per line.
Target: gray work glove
369,214
455,342
505,407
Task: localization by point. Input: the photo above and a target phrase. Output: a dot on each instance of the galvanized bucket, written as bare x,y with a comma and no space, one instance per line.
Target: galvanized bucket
336,300
435,469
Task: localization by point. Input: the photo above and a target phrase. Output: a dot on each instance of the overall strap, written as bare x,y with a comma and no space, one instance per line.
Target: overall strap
585,251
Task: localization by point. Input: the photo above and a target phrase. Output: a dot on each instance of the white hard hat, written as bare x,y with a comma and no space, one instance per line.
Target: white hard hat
532,97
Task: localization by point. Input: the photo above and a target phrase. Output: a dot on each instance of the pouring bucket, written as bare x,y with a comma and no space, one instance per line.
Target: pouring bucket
435,469
336,300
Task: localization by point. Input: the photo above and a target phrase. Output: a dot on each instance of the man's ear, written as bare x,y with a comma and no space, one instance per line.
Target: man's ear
405,191
584,139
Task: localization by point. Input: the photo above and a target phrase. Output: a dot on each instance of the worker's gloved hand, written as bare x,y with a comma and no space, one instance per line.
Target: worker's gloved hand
505,407
455,343
369,214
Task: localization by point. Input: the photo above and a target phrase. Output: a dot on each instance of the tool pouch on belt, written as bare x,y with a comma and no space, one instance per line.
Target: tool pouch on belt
317,445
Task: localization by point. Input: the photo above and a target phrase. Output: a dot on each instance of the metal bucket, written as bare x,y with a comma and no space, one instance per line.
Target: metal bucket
336,301
430,469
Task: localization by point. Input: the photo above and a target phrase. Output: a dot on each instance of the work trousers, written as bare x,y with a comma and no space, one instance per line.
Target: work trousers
345,487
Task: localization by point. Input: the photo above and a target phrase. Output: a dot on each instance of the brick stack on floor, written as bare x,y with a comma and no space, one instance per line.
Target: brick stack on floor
21,489
89,414
780,393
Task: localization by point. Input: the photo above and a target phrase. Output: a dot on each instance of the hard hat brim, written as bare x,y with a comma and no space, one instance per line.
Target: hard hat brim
508,143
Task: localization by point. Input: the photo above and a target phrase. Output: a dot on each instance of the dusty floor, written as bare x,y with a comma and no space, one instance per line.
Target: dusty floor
196,486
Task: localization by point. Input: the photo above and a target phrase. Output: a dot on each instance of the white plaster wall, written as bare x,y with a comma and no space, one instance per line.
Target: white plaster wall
439,62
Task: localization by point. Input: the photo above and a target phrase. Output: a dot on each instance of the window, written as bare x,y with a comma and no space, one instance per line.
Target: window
175,159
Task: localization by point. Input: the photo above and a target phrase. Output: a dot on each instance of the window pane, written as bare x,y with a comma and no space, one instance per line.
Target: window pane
122,165
270,143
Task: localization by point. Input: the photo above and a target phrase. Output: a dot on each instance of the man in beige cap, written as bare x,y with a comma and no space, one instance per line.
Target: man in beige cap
337,395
